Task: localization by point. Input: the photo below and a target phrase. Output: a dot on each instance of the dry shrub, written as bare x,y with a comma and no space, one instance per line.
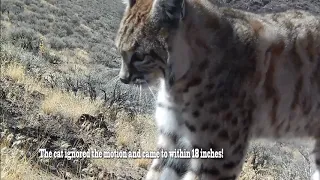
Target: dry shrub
147,128
14,70
68,105
126,134
143,163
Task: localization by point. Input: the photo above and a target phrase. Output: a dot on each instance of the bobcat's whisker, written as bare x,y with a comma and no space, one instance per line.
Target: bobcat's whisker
140,98
151,91
136,94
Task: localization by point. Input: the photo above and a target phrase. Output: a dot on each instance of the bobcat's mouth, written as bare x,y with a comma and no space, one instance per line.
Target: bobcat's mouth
139,81
142,68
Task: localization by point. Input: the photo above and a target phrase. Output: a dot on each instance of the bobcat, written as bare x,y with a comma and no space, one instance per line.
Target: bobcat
226,76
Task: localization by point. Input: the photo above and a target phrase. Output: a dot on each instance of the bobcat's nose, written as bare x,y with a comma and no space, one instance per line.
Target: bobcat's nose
125,80
124,74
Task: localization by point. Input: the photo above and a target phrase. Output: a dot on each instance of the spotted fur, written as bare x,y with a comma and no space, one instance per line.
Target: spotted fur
226,76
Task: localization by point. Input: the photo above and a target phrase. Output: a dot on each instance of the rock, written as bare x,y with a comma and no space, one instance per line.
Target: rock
3,134
20,137
68,175
17,143
64,145
10,138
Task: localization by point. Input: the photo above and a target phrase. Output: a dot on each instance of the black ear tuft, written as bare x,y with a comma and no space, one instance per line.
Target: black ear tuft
130,3
169,12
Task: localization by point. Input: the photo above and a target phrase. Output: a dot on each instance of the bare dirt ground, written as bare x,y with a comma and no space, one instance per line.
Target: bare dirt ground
59,90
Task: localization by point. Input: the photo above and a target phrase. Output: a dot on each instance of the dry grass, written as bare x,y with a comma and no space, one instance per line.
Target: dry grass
148,134
68,105
14,70
55,102
77,60
249,173
140,130
126,134
135,134
15,166
143,163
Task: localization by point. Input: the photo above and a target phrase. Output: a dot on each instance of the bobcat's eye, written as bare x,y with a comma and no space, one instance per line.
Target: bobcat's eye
137,57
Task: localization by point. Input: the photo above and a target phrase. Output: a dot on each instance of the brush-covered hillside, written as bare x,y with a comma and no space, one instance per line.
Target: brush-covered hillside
59,90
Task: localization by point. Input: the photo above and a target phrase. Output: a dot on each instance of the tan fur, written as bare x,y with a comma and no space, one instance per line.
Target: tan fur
230,76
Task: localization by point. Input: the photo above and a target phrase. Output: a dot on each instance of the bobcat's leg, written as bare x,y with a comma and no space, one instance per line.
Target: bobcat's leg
316,175
168,125
165,142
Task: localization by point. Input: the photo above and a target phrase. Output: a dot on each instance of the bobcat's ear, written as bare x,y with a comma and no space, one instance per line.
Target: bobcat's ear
168,12
129,3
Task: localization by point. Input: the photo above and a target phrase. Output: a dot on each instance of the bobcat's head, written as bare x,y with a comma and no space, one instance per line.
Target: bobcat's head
142,38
